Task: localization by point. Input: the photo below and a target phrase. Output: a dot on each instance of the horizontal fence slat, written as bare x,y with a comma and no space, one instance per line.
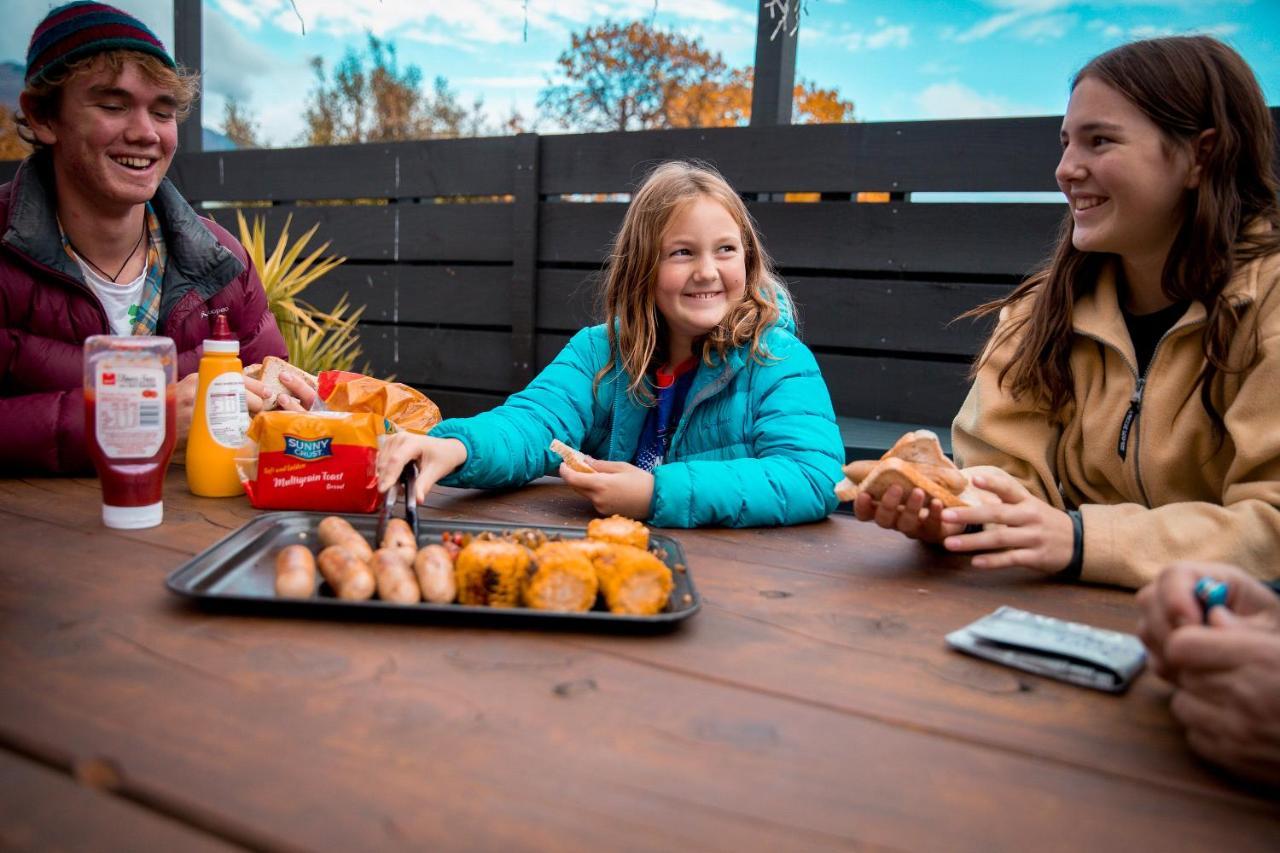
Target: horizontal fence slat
567,298
443,167
1017,154
461,404
999,239
898,315
395,232
457,358
892,389
965,155
404,293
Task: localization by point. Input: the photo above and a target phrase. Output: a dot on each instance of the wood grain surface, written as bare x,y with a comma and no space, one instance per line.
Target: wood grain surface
811,704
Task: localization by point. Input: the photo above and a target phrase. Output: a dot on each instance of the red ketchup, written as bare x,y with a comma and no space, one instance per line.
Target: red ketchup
130,418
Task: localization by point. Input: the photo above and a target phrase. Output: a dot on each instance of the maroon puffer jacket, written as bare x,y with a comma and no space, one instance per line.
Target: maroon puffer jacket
47,311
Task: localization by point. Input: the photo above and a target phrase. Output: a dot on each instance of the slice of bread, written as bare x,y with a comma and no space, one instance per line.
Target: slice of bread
573,458
898,472
271,370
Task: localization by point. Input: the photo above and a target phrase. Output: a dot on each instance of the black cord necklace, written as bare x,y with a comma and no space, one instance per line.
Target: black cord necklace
99,270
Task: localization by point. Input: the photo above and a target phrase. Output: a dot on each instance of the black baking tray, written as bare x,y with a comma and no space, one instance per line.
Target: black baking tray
238,573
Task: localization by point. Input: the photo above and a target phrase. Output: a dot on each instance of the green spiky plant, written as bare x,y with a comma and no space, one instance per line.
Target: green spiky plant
317,340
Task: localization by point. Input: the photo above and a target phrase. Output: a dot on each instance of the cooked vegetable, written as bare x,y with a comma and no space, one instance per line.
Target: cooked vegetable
492,572
617,528
633,581
563,579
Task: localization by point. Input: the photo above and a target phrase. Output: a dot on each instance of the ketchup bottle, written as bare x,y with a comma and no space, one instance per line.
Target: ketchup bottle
131,421
220,419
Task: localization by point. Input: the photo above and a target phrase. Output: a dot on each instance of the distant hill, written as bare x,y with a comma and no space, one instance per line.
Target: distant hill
214,141
10,83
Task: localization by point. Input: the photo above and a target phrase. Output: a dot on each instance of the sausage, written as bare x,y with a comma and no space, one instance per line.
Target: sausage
395,577
295,572
333,530
350,577
434,567
399,537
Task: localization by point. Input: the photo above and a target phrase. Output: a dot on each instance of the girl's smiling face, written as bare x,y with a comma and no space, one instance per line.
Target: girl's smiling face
701,273
1125,181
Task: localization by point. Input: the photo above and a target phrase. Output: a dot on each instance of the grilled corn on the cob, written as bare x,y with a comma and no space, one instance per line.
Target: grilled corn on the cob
492,573
563,579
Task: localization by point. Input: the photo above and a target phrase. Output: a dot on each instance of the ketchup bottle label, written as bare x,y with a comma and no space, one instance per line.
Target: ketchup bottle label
129,419
226,409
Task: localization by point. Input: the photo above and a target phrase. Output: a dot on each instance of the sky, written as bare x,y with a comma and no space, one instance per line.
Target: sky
895,59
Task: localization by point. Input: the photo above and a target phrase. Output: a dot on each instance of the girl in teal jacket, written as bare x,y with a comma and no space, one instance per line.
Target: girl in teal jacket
696,400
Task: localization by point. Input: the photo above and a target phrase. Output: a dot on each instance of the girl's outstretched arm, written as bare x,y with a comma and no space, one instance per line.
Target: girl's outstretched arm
508,445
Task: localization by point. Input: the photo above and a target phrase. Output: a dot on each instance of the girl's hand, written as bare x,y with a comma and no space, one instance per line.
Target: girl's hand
1034,535
912,518
616,487
436,458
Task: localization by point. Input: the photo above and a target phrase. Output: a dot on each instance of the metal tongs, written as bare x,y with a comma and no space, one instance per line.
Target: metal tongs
407,477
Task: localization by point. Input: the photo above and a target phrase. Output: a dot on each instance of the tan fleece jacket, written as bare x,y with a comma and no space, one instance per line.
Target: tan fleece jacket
1176,495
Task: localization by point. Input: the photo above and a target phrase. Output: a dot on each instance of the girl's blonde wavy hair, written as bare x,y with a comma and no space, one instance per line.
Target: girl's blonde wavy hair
636,329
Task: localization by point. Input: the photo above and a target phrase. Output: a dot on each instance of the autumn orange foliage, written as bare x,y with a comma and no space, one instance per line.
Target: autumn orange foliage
637,77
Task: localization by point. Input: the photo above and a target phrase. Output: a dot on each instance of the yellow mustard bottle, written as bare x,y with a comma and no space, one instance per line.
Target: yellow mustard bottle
221,417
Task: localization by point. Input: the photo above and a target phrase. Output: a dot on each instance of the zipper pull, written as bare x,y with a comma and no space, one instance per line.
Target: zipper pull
1135,406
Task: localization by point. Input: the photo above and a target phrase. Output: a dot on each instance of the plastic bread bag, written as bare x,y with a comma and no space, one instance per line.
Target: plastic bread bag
407,408
321,461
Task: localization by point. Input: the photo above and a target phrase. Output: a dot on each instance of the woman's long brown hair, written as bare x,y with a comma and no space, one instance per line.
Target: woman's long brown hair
1185,85
636,328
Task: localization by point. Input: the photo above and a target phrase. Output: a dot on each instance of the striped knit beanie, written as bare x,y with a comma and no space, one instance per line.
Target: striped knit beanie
76,30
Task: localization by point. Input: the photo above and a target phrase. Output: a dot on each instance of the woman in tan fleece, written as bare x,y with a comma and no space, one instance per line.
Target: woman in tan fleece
1127,407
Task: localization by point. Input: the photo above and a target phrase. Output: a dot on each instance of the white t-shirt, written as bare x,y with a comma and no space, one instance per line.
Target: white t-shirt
119,298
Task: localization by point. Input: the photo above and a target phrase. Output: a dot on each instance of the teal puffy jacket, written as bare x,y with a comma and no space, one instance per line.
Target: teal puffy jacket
757,444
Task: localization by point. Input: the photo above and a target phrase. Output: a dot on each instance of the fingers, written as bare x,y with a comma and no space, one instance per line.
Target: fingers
394,454
1204,648
909,518
1001,485
887,508
254,401
604,466
864,507
301,391
284,401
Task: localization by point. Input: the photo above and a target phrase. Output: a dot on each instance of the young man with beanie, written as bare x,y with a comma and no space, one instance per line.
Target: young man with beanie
95,240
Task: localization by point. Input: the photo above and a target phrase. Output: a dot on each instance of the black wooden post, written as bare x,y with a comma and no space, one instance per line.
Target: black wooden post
775,73
187,51
524,262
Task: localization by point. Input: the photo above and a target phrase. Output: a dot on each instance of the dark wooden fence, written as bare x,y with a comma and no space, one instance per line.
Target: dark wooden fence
477,258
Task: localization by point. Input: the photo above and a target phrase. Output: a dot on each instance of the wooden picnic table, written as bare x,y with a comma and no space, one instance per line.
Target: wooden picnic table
811,704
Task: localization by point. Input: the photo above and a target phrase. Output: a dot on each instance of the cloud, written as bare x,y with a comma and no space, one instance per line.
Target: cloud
954,99
1046,28
1115,32
233,65
938,69
887,35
